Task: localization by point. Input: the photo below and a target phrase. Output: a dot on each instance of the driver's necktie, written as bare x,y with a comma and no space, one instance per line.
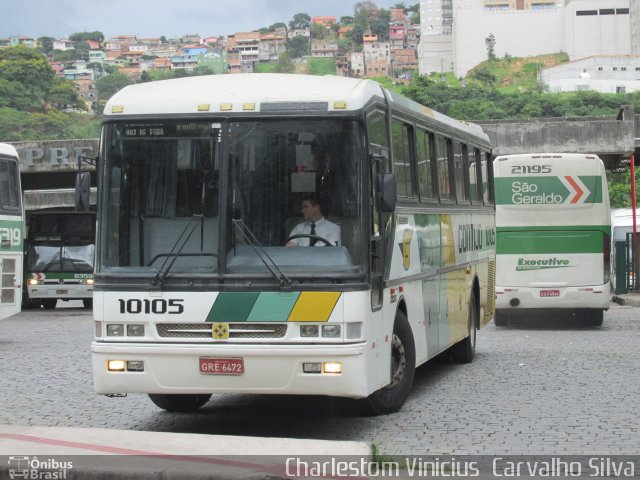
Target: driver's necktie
312,241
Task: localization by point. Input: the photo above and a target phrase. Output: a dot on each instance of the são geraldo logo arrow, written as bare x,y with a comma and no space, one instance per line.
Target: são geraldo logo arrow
578,191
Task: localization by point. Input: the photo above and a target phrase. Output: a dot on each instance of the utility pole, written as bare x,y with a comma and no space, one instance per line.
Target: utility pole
635,234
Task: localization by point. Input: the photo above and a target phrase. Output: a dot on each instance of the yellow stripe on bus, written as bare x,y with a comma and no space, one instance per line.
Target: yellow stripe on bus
314,307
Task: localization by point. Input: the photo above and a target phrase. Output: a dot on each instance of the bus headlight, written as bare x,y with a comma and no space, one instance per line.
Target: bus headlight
115,330
331,331
33,281
309,330
135,330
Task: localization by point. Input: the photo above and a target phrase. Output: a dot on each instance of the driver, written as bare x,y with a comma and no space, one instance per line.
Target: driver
315,227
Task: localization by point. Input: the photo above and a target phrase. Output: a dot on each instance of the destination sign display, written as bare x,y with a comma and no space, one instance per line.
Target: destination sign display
168,130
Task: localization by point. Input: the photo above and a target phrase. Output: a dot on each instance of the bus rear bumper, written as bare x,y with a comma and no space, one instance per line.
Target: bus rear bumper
512,299
175,369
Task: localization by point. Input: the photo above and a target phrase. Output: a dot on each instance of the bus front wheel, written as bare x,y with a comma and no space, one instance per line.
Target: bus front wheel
389,399
179,403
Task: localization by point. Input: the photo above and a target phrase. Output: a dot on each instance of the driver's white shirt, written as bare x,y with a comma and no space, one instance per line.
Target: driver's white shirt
324,228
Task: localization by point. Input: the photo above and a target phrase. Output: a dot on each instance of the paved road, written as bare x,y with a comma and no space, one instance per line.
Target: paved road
533,388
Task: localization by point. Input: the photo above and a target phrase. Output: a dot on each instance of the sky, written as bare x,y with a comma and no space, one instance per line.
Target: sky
154,18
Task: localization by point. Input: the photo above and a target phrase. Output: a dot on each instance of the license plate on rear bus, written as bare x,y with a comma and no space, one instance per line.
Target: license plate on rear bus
221,366
549,293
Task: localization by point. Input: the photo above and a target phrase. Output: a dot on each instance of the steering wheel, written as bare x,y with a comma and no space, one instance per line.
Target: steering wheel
309,236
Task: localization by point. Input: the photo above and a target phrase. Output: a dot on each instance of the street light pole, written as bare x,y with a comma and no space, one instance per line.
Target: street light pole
633,214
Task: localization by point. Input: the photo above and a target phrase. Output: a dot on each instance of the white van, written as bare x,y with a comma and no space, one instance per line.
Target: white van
553,236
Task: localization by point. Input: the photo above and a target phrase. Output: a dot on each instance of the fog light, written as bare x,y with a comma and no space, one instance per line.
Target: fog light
135,366
312,367
33,281
332,367
308,330
89,281
115,365
354,330
135,330
331,331
115,330
98,326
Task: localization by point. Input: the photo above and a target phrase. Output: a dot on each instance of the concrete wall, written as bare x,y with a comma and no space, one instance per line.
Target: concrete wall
612,138
542,30
605,74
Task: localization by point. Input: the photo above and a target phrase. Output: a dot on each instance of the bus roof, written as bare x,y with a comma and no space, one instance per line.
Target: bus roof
252,92
6,149
272,93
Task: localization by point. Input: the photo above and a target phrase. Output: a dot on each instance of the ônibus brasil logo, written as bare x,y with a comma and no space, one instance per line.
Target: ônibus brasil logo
541,264
547,190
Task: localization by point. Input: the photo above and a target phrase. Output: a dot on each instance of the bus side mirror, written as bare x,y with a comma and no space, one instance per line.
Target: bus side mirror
83,191
388,192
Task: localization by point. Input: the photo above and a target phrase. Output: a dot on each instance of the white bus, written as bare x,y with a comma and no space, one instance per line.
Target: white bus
11,232
59,257
621,225
201,184
553,236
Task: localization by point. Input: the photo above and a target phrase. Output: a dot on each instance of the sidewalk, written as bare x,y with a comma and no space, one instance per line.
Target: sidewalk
631,298
109,454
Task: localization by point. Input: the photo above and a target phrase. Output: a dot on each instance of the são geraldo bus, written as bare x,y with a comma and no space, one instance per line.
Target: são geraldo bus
553,236
201,182
11,232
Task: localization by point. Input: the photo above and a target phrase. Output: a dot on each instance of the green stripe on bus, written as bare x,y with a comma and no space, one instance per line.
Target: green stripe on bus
273,306
542,242
232,307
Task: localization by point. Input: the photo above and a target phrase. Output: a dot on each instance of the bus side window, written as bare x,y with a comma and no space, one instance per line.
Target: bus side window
461,179
444,157
475,177
487,179
426,166
402,158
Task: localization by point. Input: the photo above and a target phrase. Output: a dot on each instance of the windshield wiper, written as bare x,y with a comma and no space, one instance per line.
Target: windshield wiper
171,256
252,240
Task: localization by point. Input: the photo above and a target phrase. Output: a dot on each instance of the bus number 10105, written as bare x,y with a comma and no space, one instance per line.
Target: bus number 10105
158,306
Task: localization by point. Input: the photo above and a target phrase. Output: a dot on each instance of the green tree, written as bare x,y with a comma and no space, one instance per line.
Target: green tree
45,44
490,43
83,36
52,126
346,20
12,123
109,85
298,46
14,95
28,67
300,20
64,94
483,75
285,64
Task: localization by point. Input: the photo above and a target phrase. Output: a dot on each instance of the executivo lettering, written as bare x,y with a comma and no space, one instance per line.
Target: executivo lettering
524,264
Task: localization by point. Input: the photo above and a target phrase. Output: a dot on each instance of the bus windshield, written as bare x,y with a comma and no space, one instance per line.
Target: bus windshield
165,182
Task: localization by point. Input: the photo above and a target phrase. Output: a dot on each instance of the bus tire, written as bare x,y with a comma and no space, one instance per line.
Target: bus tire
501,320
180,403
49,303
390,398
465,350
87,302
595,318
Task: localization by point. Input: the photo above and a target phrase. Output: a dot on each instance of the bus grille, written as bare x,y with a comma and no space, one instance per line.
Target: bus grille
236,330
491,290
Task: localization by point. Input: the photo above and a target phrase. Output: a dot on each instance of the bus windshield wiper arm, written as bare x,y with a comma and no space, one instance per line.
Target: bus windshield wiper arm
251,239
172,256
